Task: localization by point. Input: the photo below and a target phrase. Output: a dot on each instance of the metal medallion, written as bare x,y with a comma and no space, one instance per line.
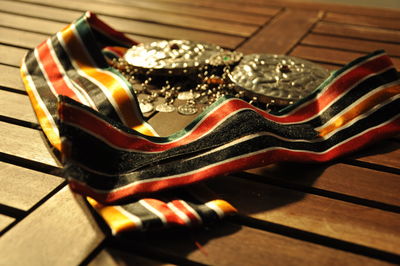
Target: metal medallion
165,108
188,95
187,109
277,79
146,107
174,57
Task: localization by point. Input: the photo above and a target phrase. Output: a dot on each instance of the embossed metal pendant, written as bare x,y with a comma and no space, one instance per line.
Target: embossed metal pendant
277,79
174,57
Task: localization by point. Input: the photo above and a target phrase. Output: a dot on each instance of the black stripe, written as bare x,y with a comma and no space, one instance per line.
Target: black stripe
96,94
150,221
43,89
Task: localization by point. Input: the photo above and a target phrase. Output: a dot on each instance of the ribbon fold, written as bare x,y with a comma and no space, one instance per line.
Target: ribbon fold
89,112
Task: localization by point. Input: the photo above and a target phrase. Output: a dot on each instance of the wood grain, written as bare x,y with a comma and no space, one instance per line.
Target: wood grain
334,7
223,5
25,143
287,29
210,13
20,38
386,153
64,233
115,257
11,55
5,221
16,106
232,245
350,44
331,55
137,29
339,178
337,219
10,77
22,188
363,20
154,16
360,32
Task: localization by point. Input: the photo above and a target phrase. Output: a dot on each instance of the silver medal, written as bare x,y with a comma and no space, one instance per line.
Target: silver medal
165,108
146,107
188,95
187,109
277,79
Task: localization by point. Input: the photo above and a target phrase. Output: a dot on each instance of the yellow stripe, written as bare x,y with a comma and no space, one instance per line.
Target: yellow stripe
116,220
224,206
360,108
111,83
49,129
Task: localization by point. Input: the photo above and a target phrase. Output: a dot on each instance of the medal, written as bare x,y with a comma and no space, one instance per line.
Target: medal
200,73
277,79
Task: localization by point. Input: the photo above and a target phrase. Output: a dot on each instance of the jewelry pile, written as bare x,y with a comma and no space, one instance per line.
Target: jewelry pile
200,73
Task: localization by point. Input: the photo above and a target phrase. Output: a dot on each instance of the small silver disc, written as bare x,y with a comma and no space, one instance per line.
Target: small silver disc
187,95
146,107
187,109
165,108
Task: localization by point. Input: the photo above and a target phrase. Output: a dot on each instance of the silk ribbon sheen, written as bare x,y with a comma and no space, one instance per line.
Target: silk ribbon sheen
89,112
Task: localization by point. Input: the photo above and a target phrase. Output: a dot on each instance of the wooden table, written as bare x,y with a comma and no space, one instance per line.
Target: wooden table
346,212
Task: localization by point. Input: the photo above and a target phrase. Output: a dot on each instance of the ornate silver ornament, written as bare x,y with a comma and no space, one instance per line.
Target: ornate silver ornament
277,79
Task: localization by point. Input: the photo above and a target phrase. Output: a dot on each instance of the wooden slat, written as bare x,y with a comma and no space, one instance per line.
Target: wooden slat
9,77
350,222
11,55
339,178
33,24
20,38
282,33
334,7
59,232
386,153
350,44
25,143
126,25
115,257
231,6
22,188
363,20
361,32
5,221
331,55
210,13
233,245
16,106
154,16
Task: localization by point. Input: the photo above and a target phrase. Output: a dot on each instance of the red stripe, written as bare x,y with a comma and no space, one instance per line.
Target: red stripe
258,160
170,216
99,127
95,22
189,213
340,86
54,75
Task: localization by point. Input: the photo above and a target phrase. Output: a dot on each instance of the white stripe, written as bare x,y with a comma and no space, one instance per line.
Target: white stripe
340,96
154,211
361,99
333,81
104,89
61,69
215,208
192,211
155,179
136,220
180,214
38,98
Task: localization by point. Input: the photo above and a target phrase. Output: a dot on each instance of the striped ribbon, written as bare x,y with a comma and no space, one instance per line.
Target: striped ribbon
114,156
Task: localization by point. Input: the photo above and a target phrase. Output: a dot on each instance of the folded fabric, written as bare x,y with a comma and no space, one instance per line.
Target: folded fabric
89,112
